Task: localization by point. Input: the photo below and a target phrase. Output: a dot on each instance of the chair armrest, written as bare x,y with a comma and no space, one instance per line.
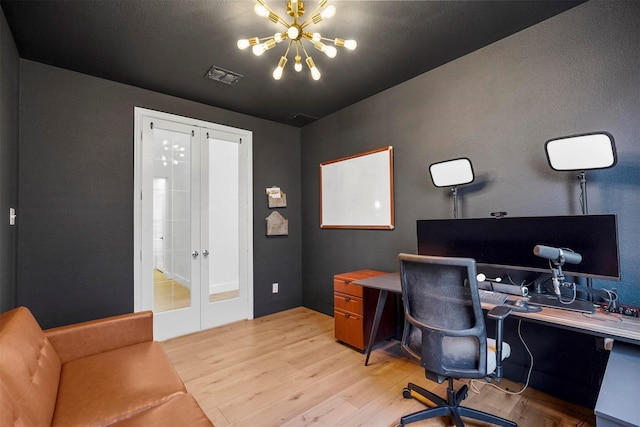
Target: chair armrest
499,313
97,336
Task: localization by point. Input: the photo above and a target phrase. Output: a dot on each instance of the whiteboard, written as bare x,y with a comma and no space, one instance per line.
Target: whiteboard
357,191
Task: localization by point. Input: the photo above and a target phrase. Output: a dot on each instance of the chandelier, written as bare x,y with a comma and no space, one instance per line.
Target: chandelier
296,32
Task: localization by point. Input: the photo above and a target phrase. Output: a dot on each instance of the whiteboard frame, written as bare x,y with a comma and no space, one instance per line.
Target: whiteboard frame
364,178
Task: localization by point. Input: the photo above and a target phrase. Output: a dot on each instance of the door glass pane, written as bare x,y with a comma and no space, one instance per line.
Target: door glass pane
171,220
223,219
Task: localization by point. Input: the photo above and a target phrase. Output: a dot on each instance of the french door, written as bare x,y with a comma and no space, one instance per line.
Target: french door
193,235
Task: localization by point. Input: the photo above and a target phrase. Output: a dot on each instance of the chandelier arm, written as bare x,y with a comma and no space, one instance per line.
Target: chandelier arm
272,13
288,47
306,23
281,21
304,50
314,12
327,39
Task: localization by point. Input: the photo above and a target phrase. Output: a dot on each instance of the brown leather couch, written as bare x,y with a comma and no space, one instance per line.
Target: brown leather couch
107,372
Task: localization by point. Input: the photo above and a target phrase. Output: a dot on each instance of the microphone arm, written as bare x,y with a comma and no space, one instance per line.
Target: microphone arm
558,257
557,279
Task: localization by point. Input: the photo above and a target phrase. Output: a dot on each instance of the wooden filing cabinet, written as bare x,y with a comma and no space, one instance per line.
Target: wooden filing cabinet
355,307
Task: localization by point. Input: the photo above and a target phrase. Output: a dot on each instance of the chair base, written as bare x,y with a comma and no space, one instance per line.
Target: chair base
448,408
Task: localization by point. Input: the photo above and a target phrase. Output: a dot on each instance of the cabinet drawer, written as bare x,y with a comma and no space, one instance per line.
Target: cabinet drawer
349,328
347,303
347,287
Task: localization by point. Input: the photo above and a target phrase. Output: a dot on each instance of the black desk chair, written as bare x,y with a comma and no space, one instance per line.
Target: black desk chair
444,331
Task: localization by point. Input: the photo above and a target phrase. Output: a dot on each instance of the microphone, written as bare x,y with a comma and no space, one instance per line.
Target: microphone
557,255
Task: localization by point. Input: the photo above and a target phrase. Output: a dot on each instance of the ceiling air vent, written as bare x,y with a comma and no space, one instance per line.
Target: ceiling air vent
301,120
223,76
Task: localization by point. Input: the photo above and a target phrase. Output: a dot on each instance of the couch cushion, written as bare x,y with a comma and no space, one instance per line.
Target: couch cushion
182,410
29,369
107,387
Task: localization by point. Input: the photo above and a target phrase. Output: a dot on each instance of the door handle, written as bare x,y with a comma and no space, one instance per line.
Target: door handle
205,253
194,254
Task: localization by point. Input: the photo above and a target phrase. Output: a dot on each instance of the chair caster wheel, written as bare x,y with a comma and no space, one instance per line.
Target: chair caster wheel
406,393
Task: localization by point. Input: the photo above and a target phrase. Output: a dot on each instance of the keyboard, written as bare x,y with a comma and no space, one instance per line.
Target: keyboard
490,297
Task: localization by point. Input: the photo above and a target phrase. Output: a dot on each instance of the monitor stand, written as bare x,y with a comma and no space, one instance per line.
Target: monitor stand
552,301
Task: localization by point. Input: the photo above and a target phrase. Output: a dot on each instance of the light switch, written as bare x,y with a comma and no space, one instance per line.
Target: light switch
12,216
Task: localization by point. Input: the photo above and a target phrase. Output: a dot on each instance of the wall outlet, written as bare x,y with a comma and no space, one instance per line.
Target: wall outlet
274,288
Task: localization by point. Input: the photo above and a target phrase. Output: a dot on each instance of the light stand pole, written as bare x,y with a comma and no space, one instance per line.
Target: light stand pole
454,194
583,192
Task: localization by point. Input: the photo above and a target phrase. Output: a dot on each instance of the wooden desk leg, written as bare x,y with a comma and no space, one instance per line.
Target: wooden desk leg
382,299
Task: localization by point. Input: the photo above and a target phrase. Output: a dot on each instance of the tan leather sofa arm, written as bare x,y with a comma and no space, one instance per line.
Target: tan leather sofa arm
97,336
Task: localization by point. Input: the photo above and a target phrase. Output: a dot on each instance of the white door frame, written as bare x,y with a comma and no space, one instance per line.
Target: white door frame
141,303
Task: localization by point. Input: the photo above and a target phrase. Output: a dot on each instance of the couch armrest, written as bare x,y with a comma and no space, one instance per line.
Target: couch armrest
97,336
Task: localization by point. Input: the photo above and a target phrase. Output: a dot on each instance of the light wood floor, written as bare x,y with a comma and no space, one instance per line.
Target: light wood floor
286,369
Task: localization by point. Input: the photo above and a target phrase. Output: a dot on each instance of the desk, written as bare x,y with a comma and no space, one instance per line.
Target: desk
615,326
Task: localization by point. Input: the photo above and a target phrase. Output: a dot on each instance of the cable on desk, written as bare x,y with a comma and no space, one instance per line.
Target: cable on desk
474,383
613,296
573,287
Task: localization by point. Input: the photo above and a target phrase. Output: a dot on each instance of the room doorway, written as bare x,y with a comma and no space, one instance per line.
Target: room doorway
193,230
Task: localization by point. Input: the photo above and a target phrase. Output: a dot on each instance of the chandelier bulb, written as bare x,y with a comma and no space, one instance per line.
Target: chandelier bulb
315,73
329,12
298,65
316,37
293,32
245,43
349,44
269,44
330,51
258,49
260,10
277,73
294,8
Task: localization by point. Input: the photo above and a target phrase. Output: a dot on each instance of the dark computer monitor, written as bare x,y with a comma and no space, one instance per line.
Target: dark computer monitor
508,242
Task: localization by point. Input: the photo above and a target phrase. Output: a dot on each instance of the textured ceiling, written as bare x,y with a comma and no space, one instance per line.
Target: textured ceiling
169,45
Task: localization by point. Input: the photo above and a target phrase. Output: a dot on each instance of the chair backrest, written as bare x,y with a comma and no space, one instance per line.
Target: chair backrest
444,326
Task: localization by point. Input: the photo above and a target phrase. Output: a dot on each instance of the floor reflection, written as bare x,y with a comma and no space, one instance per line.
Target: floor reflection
169,294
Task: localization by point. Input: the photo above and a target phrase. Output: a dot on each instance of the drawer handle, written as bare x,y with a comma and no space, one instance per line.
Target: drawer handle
347,282
347,315
347,299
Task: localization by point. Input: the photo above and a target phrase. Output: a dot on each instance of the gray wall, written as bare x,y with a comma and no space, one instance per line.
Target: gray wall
574,73
75,249
9,103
